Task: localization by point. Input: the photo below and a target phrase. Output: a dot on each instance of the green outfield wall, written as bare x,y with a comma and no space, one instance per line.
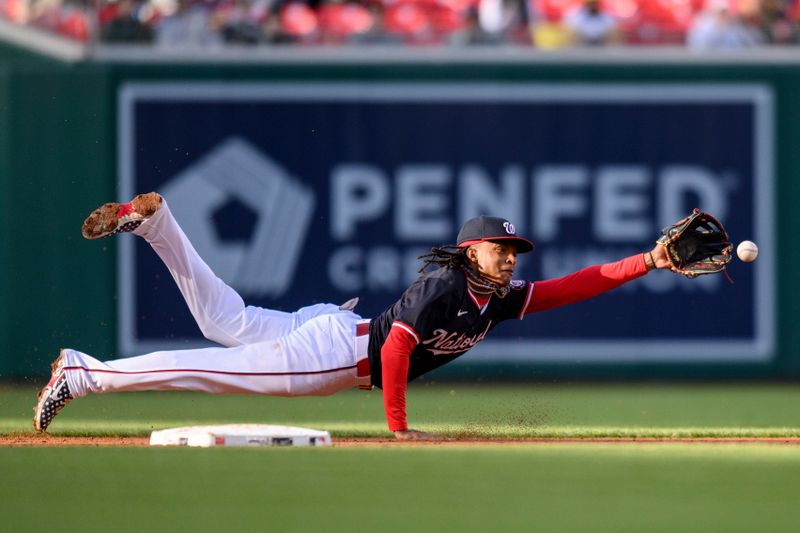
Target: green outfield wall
59,158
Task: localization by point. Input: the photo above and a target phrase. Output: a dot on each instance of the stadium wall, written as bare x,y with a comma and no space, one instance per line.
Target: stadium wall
60,156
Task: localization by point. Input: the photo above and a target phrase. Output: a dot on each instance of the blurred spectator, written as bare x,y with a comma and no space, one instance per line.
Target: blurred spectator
68,18
551,33
717,28
472,33
242,22
503,20
191,25
722,24
45,14
73,21
657,22
126,27
777,26
591,25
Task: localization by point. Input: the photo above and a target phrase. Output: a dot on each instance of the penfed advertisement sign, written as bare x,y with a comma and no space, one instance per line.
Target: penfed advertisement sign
300,193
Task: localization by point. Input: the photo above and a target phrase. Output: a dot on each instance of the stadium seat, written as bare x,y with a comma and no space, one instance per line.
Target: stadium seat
339,21
298,20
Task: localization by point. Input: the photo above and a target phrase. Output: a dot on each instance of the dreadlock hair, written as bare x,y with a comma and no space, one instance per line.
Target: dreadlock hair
454,257
446,255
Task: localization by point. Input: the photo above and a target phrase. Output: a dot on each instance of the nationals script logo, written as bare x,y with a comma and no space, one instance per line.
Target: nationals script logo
445,343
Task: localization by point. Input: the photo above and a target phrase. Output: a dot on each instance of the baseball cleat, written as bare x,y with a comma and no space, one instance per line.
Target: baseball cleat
112,218
53,397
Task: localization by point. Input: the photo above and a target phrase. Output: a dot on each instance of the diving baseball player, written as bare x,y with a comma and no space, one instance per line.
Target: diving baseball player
325,348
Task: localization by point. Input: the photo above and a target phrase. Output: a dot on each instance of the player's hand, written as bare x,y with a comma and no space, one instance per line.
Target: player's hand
413,434
659,254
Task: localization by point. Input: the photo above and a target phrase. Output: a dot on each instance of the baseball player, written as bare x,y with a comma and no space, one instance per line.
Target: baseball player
325,348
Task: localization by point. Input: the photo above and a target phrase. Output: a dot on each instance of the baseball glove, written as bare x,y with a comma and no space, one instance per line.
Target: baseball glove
696,245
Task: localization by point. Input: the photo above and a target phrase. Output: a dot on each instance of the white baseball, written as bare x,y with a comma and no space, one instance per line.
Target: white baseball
747,251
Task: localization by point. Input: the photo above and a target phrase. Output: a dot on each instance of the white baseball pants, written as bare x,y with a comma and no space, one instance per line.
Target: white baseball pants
313,351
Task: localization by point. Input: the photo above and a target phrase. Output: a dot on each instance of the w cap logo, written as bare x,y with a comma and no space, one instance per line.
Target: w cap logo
246,216
509,228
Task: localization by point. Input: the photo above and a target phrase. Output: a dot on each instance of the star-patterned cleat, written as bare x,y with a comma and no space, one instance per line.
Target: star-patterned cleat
53,397
112,218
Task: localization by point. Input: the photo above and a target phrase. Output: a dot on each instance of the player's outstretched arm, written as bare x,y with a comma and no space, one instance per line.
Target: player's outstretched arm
594,280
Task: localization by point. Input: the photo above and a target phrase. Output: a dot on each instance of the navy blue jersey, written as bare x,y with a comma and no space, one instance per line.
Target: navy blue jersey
439,310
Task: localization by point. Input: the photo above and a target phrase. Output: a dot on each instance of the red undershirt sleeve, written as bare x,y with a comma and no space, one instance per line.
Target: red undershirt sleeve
585,283
395,357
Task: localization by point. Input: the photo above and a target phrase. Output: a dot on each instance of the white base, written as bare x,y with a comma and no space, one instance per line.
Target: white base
240,435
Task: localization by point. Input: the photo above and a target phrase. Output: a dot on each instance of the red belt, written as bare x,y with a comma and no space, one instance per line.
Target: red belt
362,367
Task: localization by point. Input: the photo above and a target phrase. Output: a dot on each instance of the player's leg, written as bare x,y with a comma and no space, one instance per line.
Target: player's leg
218,310
319,358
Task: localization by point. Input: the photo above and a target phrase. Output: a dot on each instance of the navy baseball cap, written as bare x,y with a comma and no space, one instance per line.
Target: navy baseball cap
483,228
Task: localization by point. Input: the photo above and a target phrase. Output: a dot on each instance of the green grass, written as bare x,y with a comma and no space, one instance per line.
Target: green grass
460,410
542,487
587,487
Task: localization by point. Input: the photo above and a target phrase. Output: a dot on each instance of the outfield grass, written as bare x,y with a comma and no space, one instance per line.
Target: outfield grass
539,487
586,487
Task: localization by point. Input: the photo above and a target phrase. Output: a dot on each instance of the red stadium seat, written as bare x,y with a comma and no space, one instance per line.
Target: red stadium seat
444,19
107,13
406,18
298,20
622,9
14,11
457,5
74,24
342,20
